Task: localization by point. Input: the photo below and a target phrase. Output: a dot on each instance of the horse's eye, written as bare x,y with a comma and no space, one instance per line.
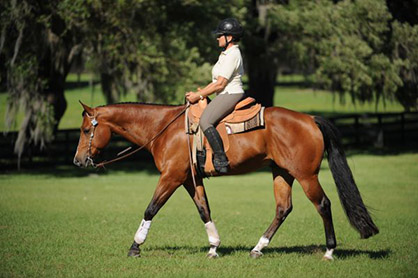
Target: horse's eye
86,130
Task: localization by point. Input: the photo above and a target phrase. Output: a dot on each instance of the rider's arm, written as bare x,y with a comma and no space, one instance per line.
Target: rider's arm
214,87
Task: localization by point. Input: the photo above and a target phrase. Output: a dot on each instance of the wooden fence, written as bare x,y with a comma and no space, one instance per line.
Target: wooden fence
358,130
378,130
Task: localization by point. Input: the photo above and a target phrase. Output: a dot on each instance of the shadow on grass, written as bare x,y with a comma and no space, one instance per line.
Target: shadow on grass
302,250
339,253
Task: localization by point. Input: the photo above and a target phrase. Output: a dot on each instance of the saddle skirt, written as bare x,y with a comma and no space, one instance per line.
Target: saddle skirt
247,115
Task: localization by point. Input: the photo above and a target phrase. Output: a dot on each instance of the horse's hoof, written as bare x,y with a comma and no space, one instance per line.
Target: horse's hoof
255,254
327,258
212,256
328,255
134,252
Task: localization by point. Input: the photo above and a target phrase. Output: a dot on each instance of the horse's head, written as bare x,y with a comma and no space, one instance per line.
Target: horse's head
95,134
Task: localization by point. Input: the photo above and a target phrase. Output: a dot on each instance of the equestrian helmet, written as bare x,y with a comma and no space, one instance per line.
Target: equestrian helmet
229,26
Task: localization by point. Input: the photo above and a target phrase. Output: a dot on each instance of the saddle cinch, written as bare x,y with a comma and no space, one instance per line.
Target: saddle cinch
247,115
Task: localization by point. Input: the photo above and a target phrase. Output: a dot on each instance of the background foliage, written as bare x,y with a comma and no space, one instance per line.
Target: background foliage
159,49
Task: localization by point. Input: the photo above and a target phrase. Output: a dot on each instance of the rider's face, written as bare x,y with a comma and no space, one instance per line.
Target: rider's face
222,41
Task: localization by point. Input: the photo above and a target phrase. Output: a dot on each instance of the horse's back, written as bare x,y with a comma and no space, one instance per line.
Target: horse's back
279,119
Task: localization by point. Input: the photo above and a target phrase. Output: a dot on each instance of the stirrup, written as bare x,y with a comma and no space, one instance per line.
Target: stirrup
220,163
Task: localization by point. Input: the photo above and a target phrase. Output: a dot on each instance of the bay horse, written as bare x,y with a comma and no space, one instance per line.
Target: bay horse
291,143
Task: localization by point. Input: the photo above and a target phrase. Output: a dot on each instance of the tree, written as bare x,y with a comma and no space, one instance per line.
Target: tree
38,50
404,45
148,47
159,49
262,61
405,52
347,46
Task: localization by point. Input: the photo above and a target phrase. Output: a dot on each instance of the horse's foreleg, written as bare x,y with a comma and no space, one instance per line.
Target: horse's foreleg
165,188
200,199
315,193
282,186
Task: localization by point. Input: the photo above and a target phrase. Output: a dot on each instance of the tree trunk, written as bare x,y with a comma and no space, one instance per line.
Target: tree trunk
262,74
261,63
55,97
108,88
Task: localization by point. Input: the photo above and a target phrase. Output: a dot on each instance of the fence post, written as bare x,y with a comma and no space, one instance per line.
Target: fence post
357,128
67,144
380,135
403,128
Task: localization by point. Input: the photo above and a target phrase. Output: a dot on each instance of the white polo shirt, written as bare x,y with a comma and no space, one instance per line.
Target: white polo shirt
230,66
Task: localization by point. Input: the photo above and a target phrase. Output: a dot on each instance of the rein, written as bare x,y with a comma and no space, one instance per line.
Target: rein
102,164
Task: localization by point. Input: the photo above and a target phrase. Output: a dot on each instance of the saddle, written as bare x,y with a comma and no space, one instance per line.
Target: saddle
247,115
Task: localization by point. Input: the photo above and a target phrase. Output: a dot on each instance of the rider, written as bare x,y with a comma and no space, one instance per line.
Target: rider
226,83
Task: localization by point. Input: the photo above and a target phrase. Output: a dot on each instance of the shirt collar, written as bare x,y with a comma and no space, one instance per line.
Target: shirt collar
229,49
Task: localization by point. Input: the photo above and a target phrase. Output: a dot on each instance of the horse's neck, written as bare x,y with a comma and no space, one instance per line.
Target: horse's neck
139,123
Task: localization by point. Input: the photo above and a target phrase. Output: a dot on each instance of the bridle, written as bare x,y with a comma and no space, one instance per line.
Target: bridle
94,123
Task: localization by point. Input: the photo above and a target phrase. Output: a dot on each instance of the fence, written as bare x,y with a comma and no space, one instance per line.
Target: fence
358,130
378,130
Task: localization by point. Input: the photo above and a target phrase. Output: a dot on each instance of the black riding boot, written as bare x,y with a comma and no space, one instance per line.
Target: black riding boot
220,162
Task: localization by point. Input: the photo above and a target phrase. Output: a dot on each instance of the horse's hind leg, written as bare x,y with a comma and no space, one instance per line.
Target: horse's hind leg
282,186
200,199
314,192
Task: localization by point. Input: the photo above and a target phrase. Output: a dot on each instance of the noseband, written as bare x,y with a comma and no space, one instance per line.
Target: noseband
94,123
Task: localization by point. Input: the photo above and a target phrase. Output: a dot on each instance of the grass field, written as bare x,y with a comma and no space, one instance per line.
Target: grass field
80,223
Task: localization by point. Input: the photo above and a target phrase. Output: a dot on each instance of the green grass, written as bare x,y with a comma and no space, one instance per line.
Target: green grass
326,104
68,222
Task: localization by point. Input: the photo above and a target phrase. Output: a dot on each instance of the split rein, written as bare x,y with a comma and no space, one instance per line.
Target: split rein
94,123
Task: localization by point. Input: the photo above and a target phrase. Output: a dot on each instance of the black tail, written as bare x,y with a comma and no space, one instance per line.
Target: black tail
347,189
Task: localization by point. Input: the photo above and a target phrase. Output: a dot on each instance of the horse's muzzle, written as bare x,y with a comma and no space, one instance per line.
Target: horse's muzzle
82,163
77,163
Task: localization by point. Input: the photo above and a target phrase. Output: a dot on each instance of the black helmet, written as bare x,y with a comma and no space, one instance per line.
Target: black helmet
229,26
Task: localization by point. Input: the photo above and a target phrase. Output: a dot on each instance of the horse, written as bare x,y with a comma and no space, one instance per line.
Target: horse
291,143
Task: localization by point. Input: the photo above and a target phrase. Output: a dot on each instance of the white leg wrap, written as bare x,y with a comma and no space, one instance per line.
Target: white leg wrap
141,233
263,242
328,254
212,234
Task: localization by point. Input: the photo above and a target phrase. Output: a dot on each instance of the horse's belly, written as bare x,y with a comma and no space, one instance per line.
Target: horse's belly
247,152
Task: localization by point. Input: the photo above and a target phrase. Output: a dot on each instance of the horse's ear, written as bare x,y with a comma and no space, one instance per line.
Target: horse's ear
88,109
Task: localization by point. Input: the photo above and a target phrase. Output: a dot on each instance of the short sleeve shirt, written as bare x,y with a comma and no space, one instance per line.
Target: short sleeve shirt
230,66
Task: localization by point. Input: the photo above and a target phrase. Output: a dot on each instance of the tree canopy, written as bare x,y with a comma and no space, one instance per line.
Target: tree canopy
353,48
367,49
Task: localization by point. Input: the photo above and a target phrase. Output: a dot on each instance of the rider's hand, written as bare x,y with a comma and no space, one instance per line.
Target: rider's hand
192,97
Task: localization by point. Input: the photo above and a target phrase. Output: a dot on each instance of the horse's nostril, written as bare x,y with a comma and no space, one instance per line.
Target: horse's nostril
76,162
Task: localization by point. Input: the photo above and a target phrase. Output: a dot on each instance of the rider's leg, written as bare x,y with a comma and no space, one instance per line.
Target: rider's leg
216,110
